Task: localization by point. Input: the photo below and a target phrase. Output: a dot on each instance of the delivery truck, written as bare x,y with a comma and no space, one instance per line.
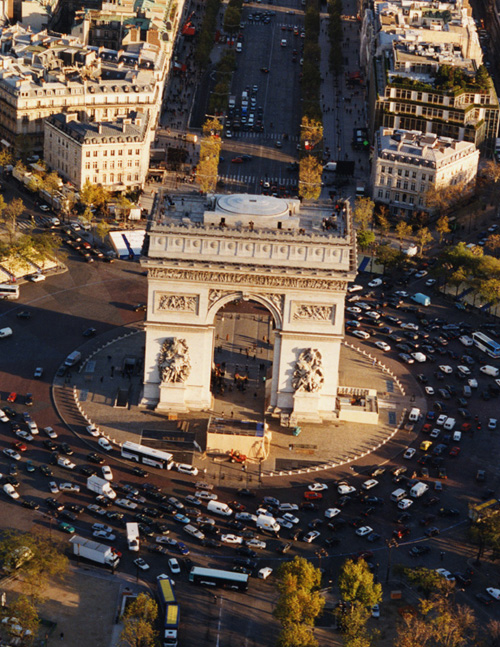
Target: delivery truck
73,358
100,486
267,524
95,552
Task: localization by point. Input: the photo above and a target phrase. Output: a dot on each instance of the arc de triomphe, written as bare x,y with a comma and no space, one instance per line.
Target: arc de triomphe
293,261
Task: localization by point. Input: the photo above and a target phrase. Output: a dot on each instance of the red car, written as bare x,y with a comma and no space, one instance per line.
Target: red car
236,505
466,426
454,451
312,496
12,397
426,429
237,160
19,446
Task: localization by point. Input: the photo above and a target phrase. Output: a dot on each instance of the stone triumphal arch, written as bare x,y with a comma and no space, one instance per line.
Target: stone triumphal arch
296,262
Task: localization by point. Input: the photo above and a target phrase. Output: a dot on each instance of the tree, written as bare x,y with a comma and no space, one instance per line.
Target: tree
48,561
363,212
389,257
357,585
311,133
296,636
27,615
309,178
442,227
232,19
208,164
102,229
424,237
10,215
298,573
427,580
138,623
5,157
383,221
486,533
493,243
299,607
403,230
354,629
94,195
365,239
413,631
51,182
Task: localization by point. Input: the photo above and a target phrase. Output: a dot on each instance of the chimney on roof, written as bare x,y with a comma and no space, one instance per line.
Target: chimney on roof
99,128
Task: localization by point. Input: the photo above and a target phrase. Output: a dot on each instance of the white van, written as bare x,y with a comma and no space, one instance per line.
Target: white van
398,494
267,524
418,490
449,424
414,415
466,340
489,370
264,573
239,47
5,332
219,508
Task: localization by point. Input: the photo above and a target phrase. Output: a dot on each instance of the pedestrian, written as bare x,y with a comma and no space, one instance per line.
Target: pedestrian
102,379
62,635
442,555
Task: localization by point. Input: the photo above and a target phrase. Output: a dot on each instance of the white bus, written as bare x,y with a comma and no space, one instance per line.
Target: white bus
216,577
486,344
147,455
9,291
133,536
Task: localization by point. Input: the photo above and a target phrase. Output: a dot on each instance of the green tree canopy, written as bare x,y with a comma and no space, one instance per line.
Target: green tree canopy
139,623
309,178
363,212
357,585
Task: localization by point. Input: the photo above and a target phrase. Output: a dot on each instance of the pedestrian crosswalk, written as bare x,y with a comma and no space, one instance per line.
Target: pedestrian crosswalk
241,134
37,221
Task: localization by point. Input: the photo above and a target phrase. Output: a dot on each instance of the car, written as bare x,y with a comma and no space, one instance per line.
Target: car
312,496
102,534
138,471
484,599
11,491
89,332
50,432
53,487
382,345
107,473
330,513
93,430
38,372
256,543
409,453
425,445
317,487
311,536
12,397
24,435
376,611
205,495
174,566
429,390
95,458
495,593
361,334
185,468
290,518
492,423
96,509
446,574
140,563
69,487
445,368
418,551
404,504
104,444
480,476
231,539
66,463
375,283
368,485
64,526
363,531
11,453
344,488
45,470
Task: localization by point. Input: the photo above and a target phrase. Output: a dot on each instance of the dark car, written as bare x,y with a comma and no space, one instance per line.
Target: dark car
144,529
283,547
245,492
418,551
245,550
332,541
90,332
211,543
484,599
23,314
45,470
140,307
9,412
88,471
138,471
54,504
66,449
31,504
28,399
76,508
95,458
432,532
49,444
68,515
308,505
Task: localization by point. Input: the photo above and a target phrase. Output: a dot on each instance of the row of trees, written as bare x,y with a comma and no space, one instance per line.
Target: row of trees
232,16
311,75
220,94
310,167
208,164
335,36
206,34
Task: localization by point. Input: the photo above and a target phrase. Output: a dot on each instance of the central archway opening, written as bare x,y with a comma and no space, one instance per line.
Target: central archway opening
243,357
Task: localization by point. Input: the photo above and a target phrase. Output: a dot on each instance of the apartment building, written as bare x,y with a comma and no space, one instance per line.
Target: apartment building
46,74
407,164
409,52
114,154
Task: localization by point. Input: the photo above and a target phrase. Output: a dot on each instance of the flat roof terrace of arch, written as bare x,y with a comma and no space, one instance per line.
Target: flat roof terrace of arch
255,205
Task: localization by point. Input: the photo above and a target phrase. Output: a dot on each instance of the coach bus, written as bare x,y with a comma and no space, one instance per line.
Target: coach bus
216,577
147,455
9,291
487,345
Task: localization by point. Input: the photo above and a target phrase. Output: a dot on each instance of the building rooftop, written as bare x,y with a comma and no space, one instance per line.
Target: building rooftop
131,128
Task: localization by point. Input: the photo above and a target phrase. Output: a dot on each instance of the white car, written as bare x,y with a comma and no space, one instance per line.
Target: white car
409,326
495,593
50,432
355,288
354,310
368,485
174,566
401,293
11,453
446,574
140,563
375,611
93,430
373,315
290,518
107,473
3,416
472,382
231,539
185,468
419,357
364,530
441,419
205,495
311,536
492,423
317,487
11,491
457,436
69,487
288,507
409,453
430,282
382,345
284,523
375,283
332,512
101,526
24,435
44,207
429,390
53,487
106,445
444,368
256,543
102,534
465,370
361,334
246,516
33,427
404,504
65,462
420,274
38,372
346,489
435,432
